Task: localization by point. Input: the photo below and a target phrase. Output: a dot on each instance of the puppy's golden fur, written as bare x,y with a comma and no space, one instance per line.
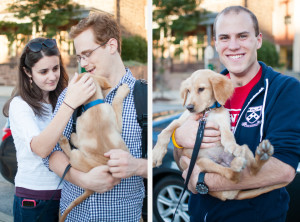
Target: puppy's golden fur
200,91
98,130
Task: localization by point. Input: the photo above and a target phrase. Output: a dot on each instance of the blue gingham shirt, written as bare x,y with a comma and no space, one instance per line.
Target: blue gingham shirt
124,202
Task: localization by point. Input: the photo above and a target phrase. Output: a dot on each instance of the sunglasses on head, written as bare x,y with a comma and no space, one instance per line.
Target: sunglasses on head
37,46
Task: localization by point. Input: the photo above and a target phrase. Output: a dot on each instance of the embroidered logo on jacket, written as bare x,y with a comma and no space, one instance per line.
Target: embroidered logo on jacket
253,116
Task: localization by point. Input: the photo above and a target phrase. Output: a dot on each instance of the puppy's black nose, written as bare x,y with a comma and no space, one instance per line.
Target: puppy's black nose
190,107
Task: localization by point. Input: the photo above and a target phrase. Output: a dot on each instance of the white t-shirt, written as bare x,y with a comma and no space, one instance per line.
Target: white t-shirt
32,173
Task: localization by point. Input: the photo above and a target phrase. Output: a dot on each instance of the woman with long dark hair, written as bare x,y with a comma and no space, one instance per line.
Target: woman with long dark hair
41,79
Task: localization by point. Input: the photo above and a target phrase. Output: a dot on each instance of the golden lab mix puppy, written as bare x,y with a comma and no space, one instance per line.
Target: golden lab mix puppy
201,90
98,130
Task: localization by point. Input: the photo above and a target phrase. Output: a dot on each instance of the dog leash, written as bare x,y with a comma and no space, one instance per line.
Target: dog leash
48,204
196,149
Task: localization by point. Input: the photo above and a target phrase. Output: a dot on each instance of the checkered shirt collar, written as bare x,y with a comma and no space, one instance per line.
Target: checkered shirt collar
127,78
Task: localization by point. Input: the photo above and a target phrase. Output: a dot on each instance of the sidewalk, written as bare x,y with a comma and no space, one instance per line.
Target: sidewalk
5,218
6,91
172,96
166,101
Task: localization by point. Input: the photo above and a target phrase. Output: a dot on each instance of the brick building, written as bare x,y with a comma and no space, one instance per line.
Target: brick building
130,14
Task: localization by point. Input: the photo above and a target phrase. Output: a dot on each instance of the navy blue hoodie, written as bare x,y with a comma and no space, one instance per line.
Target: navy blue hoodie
271,111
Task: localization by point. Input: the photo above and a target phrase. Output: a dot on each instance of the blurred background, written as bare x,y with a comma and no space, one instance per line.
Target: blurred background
22,20
183,42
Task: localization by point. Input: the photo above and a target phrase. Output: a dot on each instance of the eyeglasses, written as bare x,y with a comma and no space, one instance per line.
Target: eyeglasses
87,54
37,46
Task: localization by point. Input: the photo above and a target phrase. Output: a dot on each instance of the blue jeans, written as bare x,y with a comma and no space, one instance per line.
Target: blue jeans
30,214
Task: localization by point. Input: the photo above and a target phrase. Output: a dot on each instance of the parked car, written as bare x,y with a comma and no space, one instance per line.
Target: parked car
8,161
167,182
168,185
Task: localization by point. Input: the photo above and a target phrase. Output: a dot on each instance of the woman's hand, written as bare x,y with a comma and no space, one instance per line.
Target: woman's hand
80,90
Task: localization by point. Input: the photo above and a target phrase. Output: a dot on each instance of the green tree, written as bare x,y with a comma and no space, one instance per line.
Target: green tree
181,16
12,29
46,15
134,48
174,18
268,54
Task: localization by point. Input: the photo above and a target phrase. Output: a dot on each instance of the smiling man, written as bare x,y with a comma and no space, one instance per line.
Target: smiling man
262,107
119,185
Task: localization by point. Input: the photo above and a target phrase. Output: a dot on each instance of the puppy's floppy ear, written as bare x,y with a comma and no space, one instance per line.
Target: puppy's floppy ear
102,81
222,87
184,90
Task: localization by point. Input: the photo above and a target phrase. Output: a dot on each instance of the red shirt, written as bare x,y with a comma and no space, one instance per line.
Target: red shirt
236,102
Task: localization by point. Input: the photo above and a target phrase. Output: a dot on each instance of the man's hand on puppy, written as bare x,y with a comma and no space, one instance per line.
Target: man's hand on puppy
194,176
185,135
99,179
123,165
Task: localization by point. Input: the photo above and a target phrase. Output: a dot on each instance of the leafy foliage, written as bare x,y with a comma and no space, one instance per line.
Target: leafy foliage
178,51
46,15
134,48
268,54
12,29
66,17
181,16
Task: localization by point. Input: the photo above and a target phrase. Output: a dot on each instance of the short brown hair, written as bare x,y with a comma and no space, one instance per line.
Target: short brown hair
104,26
237,10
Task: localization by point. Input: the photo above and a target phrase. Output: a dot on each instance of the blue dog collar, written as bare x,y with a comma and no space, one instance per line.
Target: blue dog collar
91,104
215,105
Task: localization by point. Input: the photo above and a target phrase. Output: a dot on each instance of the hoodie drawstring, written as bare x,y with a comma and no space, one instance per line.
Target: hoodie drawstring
263,110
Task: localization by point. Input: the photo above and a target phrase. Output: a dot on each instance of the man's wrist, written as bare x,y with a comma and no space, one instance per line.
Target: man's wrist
77,178
142,167
201,186
174,141
177,154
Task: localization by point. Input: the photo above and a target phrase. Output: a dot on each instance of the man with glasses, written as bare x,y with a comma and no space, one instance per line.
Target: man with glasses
119,185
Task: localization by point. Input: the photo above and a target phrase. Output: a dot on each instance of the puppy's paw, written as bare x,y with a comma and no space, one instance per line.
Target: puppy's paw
73,138
264,150
157,156
238,164
63,141
236,150
230,148
65,145
124,89
239,151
